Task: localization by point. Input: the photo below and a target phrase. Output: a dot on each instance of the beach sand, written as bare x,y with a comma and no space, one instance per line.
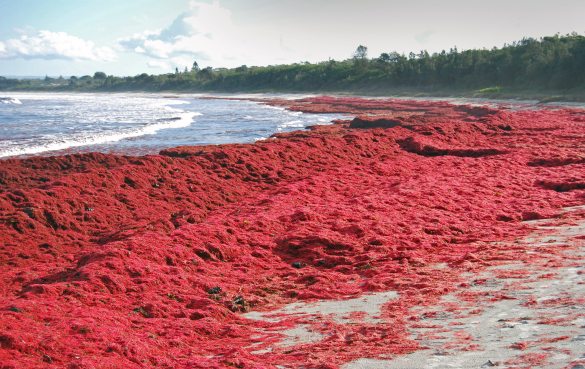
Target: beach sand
534,317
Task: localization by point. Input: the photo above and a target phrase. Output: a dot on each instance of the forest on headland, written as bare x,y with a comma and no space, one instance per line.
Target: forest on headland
554,63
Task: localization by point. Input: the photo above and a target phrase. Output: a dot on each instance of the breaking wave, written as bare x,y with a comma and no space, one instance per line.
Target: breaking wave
9,100
81,139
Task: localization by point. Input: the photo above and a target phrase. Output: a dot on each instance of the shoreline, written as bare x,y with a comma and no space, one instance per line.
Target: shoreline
471,97
137,124
123,256
530,97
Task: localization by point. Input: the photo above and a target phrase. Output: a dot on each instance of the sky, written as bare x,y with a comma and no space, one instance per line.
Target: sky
130,37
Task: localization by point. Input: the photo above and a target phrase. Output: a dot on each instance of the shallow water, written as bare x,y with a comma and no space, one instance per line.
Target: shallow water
137,124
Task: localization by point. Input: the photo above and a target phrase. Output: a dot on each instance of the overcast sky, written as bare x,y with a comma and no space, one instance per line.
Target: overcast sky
129,37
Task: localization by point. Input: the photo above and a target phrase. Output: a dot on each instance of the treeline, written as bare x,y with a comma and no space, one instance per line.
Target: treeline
551,63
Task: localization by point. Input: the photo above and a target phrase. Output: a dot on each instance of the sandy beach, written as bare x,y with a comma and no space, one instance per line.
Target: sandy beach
516,314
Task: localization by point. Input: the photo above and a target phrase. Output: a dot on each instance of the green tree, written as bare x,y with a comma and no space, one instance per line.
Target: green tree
206,73
331,64
195,67
242,69
99,76
384,58
360,59
384,62
361,52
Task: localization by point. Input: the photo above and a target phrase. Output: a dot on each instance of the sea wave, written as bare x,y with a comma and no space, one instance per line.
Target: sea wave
175,102
272,107
182,120
292,123
9,100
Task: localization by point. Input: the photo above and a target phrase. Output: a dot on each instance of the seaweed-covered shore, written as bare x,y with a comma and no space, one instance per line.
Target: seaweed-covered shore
111,261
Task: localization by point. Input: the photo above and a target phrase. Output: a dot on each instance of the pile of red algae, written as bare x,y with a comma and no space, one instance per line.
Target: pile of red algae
110,261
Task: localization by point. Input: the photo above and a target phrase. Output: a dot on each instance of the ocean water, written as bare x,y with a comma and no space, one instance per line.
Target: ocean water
135,124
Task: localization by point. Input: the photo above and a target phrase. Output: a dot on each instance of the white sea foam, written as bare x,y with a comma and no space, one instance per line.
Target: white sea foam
175,102
9,100
273,107
62,143
290,124
293,123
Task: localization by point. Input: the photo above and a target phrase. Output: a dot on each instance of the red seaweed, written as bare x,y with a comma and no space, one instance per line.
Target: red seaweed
111,261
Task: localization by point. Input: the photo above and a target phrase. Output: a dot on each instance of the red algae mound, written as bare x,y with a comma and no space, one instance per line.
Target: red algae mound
111,261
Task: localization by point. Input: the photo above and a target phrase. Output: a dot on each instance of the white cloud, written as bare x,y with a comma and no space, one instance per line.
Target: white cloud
140,18
423,38
27,31
158,64
171,64
206,33
181,63
54,45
